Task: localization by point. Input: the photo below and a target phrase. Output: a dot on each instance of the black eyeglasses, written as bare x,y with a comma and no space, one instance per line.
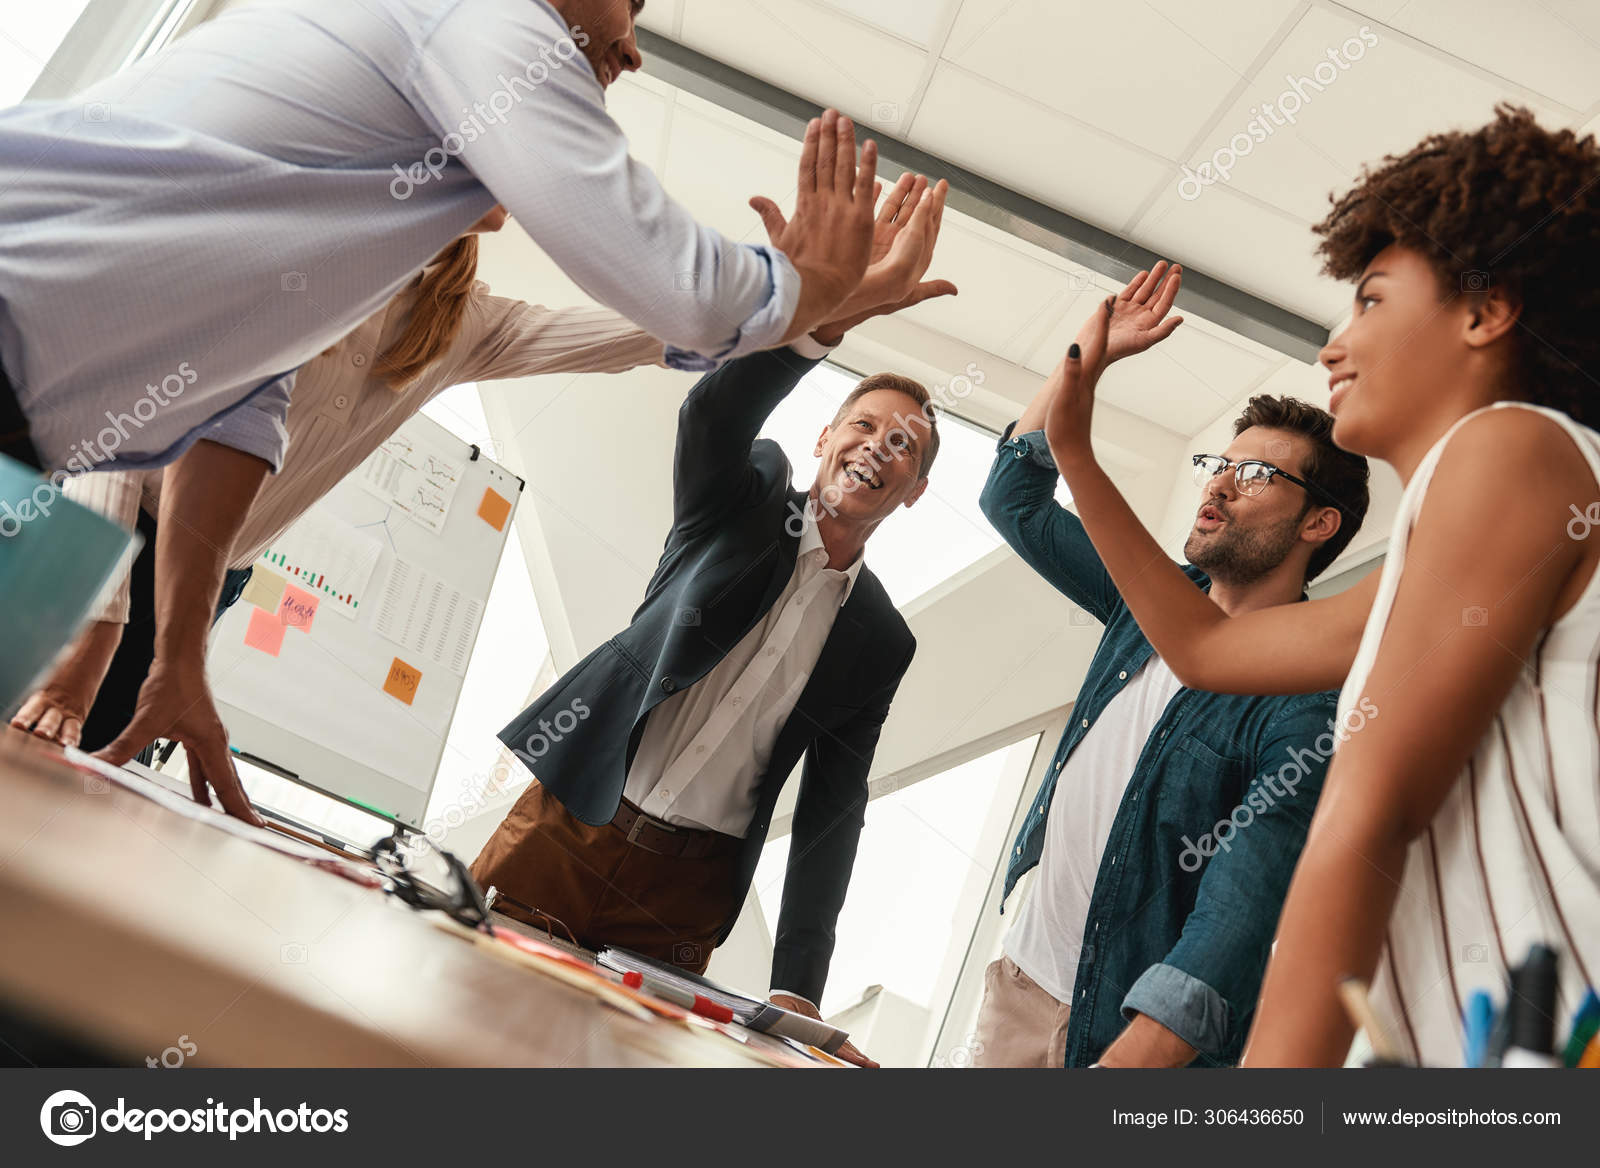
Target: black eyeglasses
1251,476
425,876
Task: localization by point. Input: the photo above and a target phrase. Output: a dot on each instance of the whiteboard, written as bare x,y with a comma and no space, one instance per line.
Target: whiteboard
341,665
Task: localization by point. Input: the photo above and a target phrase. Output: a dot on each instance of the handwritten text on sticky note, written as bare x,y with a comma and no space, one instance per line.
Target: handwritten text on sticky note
403,681
265,631
297,609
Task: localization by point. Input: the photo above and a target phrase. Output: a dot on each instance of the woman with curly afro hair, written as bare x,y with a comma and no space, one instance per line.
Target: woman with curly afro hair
1460,820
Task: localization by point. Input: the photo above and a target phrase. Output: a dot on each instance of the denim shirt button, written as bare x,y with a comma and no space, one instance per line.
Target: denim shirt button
1085,724
1123,676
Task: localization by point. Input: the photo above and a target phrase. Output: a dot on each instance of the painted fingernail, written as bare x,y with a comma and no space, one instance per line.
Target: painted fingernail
1072,351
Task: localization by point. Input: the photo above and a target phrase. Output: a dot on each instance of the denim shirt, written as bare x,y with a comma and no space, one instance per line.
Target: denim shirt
1194,873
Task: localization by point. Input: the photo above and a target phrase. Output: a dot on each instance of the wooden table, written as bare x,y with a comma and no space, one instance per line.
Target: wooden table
128,925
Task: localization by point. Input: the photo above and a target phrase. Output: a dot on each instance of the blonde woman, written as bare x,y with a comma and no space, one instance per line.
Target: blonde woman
443,329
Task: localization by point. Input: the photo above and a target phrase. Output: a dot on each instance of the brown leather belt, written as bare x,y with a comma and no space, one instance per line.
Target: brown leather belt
668,839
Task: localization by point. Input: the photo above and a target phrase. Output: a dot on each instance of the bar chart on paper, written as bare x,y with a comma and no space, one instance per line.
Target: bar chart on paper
328,558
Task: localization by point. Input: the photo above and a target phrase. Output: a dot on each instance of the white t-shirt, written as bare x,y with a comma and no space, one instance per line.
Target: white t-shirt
1046,940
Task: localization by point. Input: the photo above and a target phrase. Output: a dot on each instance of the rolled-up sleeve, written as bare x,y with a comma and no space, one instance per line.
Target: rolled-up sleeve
1205,989
256,425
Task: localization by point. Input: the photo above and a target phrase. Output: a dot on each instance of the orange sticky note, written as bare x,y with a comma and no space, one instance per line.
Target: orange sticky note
297,609
403,681
495,509
265,631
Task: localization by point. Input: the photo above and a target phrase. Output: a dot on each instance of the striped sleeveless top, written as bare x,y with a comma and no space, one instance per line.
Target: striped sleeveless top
1513,855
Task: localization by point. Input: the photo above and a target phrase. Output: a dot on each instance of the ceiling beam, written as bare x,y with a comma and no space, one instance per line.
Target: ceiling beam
1055,231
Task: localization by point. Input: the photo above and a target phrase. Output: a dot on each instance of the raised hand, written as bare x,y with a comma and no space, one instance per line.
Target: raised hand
1072,386
1139,312
829,240
903,240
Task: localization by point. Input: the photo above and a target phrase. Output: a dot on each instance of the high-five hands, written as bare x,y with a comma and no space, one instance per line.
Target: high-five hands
829,240
902,248
1130,322
853,267
1139,312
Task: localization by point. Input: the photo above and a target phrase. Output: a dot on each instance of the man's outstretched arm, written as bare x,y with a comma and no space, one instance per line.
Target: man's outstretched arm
205,497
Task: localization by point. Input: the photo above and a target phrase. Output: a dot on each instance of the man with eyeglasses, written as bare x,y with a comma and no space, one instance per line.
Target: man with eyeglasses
1163,864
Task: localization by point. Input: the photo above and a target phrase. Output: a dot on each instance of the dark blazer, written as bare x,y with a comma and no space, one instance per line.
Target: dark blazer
735,534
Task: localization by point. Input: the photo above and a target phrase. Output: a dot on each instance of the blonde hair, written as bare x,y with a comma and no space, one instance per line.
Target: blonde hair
437,308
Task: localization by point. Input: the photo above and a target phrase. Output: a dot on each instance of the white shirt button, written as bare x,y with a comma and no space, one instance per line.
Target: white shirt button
1123,676
340,402
359,360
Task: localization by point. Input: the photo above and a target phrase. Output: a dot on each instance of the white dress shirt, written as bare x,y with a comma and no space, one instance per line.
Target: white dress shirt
706,747
177,238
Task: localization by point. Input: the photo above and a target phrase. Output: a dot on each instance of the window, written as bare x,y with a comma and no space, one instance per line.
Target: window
923,870
919,547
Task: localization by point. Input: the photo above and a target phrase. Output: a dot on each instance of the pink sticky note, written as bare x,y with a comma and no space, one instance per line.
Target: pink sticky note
265,631
297,609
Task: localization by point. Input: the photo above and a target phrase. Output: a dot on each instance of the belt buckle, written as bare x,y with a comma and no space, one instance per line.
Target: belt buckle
640,821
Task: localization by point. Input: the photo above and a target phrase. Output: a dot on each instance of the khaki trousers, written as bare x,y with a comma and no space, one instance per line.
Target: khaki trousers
605,889
1019,1024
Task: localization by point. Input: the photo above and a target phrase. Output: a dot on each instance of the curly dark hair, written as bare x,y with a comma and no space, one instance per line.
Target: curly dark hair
1337,471
1510,205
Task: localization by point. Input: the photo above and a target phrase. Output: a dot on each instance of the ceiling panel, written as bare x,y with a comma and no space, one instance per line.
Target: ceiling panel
1005,295
1390,96
1182,384
1551,47
1080,170
717,161
1236,33
1259,250
812,51
917,21
1125,68
662,16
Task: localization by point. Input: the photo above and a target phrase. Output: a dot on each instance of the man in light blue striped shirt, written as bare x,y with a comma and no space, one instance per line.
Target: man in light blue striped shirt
177,239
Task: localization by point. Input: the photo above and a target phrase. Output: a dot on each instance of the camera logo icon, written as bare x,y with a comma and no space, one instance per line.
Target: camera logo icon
294,281
884,113
1475,281
687,281
1279,448
1475,952
294,953
1474,617
686,953
689,616
97,111
67,1118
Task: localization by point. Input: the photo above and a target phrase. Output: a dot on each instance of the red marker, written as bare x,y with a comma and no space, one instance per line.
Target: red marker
706,1008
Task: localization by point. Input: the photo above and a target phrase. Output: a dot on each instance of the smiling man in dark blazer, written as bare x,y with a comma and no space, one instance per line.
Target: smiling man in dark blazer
763,639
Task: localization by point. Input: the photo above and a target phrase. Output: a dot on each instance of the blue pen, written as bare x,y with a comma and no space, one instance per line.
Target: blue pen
1478,1021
